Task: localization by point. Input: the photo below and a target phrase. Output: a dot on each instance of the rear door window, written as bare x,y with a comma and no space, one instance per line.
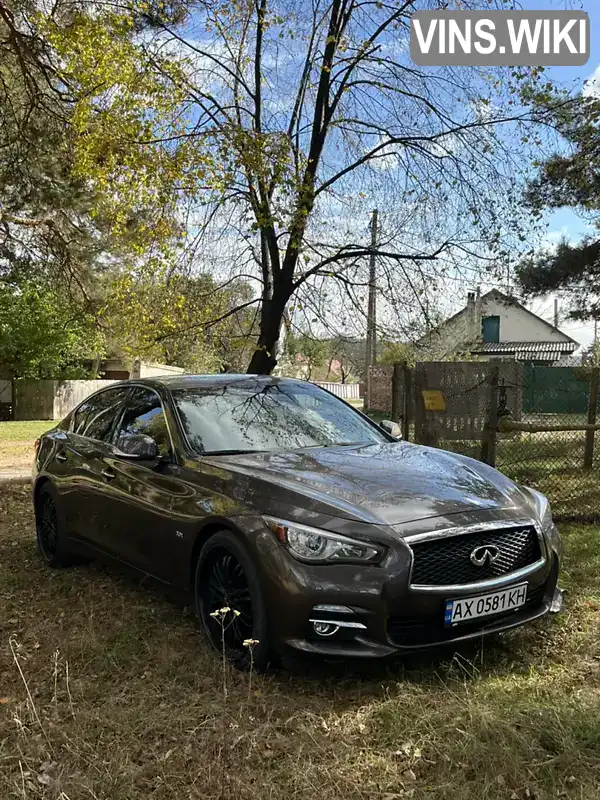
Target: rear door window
144,414
79,417
101,413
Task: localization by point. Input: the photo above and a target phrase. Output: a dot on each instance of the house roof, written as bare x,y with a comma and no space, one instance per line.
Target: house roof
543,351
509,301
514,302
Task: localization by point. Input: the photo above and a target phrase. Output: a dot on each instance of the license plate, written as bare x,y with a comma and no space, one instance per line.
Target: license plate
466,609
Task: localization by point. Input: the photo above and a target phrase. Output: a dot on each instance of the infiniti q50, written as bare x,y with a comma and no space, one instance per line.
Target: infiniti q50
294,522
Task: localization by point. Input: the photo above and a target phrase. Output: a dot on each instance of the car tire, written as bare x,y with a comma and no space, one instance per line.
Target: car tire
51,533
226,578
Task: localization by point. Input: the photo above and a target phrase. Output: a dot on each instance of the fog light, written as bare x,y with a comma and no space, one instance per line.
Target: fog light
325,628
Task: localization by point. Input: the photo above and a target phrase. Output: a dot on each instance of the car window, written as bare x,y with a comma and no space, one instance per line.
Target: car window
144,414
253,415
79,417
101,413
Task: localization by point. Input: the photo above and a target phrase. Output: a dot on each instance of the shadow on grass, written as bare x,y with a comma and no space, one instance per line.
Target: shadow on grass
125,700
100,605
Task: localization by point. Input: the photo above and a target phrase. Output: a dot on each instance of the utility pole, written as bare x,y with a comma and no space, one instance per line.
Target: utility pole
556,312
371,352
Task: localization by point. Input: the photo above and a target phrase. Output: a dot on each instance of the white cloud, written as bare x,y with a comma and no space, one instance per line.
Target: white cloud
591,87
387,157
553,238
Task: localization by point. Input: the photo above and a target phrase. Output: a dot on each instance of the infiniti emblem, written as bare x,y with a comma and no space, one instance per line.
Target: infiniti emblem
486,554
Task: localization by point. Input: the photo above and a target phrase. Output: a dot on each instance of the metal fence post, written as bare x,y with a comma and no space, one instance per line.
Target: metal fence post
588,458
490,432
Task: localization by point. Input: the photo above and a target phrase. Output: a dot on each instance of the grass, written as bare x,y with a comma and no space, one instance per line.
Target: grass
108,692
16,442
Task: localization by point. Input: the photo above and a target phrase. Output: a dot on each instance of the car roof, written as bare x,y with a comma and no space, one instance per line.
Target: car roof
178,382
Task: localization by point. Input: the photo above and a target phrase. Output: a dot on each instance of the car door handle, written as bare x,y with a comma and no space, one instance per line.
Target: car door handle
62,456
109,474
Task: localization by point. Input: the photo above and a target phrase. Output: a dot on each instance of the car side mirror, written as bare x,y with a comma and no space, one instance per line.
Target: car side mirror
138,445
391,428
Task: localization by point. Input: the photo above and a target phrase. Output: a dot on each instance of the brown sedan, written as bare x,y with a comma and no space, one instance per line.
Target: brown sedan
295,522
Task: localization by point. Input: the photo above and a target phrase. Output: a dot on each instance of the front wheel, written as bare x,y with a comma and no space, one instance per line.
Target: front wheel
229,602
51,535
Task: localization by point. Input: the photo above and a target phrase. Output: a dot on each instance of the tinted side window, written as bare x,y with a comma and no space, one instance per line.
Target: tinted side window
80,417
145,414
101,413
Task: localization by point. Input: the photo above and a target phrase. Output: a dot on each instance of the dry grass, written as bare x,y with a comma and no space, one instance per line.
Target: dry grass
16,443
108,692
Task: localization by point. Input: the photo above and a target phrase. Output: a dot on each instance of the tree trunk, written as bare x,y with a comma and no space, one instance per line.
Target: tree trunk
264,358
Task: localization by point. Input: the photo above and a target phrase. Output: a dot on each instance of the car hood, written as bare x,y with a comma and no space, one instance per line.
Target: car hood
391,483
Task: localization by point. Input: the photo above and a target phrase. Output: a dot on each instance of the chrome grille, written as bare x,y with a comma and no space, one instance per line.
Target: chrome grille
447,561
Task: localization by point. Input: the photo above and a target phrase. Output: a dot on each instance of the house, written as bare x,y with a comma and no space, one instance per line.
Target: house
115,369
496,325
53,399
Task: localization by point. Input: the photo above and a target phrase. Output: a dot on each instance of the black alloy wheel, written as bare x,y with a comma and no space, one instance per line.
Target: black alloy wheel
229,602
52,539
48,526
226,587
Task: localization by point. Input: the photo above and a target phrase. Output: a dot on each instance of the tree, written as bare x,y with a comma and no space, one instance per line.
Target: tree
46,226
396,352
273,120
101,250
349,354
570,179
175,319
42,336
306,352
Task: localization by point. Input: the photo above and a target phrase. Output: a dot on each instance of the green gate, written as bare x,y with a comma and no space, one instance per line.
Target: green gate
554,390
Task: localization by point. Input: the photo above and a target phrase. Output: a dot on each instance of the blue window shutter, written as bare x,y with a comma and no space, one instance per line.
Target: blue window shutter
490,329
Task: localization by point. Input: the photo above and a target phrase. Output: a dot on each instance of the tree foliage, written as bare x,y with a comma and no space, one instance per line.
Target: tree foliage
350,356
176,319
48,228
89,214
306,353
263,130
42,335
570,179
396,353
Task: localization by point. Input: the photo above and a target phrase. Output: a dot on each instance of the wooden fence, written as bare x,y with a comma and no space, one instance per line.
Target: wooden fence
51,400
347,391
549,443
32,399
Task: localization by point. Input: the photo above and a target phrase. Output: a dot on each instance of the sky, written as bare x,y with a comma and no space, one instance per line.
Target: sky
565,222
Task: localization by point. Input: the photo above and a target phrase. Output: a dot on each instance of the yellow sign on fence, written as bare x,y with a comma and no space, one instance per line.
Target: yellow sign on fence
434,400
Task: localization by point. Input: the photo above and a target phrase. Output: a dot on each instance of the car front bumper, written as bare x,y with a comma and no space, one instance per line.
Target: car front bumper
379,614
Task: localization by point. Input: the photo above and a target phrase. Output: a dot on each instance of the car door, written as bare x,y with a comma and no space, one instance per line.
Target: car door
88,443
140,528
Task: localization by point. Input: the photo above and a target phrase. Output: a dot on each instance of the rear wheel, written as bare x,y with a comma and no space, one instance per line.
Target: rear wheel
229,602
52,539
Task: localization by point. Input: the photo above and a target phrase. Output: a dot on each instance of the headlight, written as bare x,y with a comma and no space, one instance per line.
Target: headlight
542,507
316,545
544,515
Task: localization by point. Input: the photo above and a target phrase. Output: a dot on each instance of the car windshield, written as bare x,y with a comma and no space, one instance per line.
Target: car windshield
253,416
